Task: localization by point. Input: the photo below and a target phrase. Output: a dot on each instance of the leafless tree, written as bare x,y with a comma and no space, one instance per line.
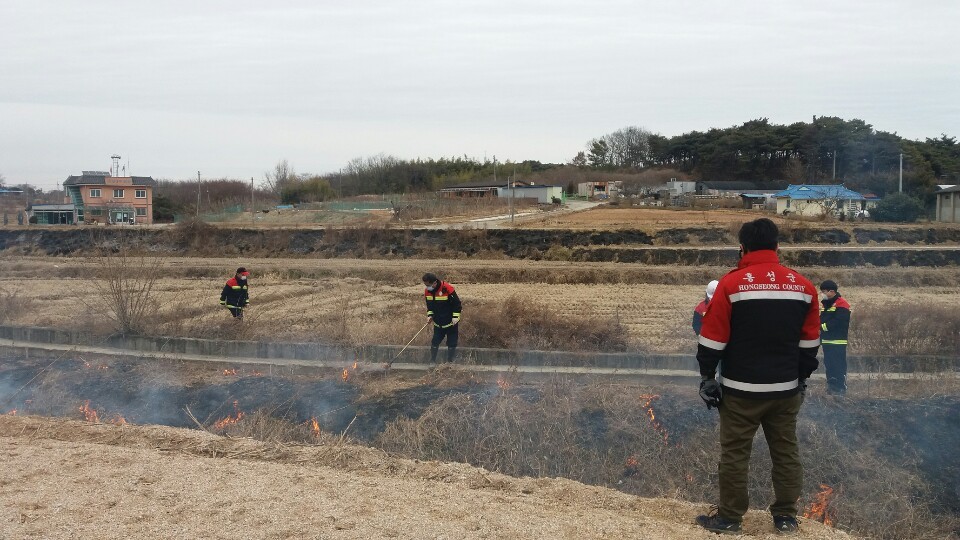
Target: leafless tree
281,175
125,287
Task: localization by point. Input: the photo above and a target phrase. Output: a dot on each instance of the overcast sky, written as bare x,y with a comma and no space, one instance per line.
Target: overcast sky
230,88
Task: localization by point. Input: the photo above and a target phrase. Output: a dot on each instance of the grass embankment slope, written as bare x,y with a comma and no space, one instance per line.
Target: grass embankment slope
71,479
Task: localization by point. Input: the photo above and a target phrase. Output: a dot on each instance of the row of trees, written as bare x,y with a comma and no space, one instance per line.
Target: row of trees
824,150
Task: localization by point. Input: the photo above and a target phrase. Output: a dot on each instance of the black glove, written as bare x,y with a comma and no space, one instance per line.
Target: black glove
710,393
803,387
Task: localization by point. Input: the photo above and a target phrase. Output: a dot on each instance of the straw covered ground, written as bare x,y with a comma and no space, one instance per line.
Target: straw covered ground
359,301
73,479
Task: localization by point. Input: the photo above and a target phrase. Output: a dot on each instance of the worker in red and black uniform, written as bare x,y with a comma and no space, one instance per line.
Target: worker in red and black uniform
834,327
701,309
762,330
443,310
235,294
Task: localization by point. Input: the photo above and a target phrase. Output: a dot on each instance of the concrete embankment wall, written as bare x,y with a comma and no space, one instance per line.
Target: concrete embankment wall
688,246
279,352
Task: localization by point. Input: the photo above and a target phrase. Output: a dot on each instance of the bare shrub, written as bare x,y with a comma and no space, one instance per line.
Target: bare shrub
905,329
12,305
125,288
518,323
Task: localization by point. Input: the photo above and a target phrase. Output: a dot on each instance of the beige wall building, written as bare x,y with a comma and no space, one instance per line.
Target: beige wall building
948,204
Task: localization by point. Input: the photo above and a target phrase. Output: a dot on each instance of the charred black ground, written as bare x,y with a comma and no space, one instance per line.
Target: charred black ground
892,455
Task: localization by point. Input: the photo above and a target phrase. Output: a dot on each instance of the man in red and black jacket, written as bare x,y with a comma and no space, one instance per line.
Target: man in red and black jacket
762,330
834,327
701,309
235,294
443,310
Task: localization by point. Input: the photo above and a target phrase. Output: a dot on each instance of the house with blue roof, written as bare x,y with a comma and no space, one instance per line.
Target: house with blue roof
816,201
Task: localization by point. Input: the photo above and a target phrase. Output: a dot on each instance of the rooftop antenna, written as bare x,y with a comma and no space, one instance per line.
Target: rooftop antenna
115,169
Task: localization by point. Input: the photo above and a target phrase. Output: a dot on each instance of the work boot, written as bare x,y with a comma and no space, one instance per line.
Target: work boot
786,524
714,523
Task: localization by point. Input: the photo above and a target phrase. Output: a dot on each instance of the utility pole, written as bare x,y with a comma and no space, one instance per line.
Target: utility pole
834,164
513,190
253,210
901,172
198,194
340,183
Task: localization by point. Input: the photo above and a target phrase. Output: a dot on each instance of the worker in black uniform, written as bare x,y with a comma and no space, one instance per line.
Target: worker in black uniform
443,310
235,295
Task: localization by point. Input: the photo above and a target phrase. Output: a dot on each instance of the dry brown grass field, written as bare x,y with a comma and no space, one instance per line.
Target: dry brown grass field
620,217
353,301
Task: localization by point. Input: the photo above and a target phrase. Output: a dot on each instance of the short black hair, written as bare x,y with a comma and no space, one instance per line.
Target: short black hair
241,270
430,278
759,234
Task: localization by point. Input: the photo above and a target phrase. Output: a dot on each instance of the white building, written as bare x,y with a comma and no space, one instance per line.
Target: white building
948,204
544,194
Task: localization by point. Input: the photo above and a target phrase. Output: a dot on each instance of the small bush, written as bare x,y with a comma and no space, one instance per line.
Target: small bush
897,207
518,323
905,329
12,305
556,252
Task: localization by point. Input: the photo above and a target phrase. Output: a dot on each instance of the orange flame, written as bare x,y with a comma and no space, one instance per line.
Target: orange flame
90,415
345,375
257,373
354,366
503,383
13,412
228,372
632,462
229,420
119,420
819,509
657,426
315,426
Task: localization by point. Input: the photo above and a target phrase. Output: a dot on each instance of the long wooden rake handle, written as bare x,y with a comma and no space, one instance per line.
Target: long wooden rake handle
390,363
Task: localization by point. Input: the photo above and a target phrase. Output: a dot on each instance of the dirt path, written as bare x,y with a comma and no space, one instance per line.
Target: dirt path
70,479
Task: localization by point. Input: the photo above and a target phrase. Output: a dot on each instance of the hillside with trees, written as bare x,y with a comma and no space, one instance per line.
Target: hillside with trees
824,150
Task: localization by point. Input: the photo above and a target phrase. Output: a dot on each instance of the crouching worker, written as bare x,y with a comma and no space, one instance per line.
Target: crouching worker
443,310
235,294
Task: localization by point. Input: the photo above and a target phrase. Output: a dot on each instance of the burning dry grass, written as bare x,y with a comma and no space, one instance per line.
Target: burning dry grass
656,442
595,435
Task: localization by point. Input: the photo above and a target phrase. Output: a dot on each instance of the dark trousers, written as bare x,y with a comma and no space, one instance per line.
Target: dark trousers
739,420
237,312
835,360
452,333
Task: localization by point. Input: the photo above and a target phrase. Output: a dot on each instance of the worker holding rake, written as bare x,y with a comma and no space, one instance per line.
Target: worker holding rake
443,310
